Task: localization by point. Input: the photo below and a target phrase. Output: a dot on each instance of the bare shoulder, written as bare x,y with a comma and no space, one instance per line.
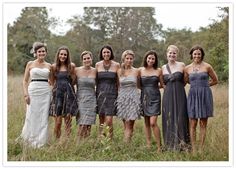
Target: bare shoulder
159,69
29,63
187,67
99,62
93,69
163,67
49,65
181,64
115,63
140,69
54,65
207,66
119,71
77,68
135,69
73,65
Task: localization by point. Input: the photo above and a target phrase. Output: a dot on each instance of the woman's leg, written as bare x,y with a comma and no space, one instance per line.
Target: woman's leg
57,128
147,130
129,128
193,126
67,121
109,123
101,125
156,131
203,128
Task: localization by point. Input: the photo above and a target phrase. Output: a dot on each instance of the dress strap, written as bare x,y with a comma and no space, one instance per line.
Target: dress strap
168,68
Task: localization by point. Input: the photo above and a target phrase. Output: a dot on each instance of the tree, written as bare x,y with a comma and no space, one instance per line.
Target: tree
125,28
32,25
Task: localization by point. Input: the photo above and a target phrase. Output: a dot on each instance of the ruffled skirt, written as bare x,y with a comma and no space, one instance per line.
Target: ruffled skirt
128,104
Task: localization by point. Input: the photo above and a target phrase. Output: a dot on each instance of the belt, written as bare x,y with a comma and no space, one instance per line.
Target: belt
41,80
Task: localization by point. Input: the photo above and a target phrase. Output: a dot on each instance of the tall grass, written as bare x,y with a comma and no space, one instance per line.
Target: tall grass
94,149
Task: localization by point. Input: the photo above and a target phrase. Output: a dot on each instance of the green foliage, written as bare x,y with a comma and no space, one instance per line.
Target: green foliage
31,26
123,28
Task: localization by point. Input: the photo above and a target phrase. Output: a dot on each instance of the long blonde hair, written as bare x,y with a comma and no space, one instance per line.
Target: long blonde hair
124,54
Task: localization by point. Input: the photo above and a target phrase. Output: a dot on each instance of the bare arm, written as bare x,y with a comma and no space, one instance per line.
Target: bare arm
186,76
138,78
212,74
161,79
26,82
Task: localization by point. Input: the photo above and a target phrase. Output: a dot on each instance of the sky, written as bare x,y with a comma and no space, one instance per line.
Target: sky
170,15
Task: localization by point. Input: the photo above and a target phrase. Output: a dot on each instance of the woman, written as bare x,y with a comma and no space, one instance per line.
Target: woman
106,91
37,93
65,98
86,76
150,96
128,100
200,100
174,105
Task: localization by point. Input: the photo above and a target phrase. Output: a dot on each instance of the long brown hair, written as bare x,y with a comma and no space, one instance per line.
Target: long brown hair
67,61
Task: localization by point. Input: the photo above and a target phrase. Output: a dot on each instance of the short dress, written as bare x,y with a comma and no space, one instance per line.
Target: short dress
106,93
150,96
86,101
200,100
65,97
128,100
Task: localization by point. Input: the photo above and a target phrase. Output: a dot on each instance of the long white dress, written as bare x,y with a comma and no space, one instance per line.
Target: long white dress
35,130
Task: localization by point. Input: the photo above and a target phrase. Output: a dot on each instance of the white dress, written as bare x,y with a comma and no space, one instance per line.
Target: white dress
35,130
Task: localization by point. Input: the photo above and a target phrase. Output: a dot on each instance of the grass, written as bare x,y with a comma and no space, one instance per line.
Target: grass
93,149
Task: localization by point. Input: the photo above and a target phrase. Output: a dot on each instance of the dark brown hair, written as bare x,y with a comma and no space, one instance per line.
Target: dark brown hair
67,61
109,48
196,47
150,52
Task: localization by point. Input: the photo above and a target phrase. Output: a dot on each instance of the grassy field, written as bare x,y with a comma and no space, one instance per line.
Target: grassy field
93,149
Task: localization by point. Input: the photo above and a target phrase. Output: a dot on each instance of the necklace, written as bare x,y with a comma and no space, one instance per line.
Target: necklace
106,67
196,67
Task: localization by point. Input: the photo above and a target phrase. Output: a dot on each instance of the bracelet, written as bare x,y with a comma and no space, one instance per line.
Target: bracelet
26,95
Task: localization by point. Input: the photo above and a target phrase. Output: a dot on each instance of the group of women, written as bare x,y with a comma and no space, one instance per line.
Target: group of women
112,89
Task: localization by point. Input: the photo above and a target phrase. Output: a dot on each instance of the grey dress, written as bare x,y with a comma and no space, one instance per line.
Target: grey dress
65,97
86,101
106,93
128,100
150,96
200,100
175,124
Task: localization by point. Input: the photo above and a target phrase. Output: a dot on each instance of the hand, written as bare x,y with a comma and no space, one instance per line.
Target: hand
27,99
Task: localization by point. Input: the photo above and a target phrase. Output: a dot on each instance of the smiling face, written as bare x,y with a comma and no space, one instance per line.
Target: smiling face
106,54
197,56
151,60
87,60
172,54
41,53
128,60
63,55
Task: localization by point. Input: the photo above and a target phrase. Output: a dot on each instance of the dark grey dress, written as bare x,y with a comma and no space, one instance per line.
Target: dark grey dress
200,100
106,93
65,98
150,96
174,113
